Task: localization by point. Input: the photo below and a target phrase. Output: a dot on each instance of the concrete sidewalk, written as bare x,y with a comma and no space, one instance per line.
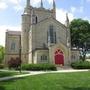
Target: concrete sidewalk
20,76
40,72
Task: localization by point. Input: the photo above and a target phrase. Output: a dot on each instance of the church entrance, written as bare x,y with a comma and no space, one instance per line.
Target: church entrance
59,57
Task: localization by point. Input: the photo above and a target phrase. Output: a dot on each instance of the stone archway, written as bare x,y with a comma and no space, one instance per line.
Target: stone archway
59,57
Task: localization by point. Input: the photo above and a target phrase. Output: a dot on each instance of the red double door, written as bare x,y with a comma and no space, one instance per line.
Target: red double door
59,57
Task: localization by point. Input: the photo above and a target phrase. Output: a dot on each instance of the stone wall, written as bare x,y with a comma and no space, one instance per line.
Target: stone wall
12,45
75,55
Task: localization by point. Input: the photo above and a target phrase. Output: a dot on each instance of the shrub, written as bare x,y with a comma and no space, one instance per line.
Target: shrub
1,66
14,63
81,65
38,67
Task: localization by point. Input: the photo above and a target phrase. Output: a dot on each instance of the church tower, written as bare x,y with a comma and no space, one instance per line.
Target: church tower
26,22
67,21
54,9
68,31
43,39
41,4
68,37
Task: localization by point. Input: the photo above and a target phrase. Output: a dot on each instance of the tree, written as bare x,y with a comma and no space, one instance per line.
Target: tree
2,53
80,35
14,63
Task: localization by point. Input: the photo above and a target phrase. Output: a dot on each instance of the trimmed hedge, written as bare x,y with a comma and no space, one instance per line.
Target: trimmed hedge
1,66
81,65
38,67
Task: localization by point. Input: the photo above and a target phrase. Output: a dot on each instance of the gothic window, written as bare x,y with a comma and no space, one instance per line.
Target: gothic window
13,46
51,34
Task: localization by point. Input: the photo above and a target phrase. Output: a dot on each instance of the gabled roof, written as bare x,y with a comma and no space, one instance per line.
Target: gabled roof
53,19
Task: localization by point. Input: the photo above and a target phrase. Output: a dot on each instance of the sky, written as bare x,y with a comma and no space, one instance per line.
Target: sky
11,11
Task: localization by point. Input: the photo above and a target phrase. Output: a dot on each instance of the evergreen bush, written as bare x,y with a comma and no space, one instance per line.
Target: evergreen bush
38,67
81,65
1,66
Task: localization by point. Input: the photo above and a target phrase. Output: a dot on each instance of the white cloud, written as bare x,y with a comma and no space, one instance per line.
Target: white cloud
15,1
81,9
61,15
3,29
16,5
50,1
77,9
86,18
73,9
35,2
18,8
3,5
88,0
82,2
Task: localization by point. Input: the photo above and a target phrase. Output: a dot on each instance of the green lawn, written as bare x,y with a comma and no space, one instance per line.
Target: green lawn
5,74
59,81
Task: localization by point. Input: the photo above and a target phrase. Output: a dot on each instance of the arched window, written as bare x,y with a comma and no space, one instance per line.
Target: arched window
51,34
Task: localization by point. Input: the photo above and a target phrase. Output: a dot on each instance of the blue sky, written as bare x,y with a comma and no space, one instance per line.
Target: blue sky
11,10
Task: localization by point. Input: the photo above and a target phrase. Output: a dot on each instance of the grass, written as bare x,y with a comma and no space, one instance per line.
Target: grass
59,81
5,74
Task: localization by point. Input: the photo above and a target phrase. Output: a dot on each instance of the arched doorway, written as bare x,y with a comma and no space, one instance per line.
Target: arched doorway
59,57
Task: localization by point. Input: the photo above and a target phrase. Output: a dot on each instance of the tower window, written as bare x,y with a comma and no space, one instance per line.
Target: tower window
36,19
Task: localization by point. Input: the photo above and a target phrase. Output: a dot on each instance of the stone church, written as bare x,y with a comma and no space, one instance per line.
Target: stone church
42,39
